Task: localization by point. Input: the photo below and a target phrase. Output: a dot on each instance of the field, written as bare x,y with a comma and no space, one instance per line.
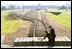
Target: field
61,23
10,26
63,19
13,29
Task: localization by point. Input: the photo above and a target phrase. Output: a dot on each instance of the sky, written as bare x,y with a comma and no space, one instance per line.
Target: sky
35,2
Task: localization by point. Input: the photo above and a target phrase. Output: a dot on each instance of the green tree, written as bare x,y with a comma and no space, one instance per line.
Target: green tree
3,8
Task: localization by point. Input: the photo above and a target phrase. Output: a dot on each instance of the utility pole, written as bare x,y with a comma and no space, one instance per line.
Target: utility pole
23,5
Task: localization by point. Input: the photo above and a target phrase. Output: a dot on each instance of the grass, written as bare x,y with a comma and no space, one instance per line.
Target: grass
63,19
10,26
7,26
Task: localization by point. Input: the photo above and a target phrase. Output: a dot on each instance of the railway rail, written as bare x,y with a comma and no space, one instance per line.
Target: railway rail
38,27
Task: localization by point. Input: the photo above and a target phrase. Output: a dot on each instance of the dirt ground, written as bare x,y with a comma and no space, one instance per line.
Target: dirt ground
25,32
60,30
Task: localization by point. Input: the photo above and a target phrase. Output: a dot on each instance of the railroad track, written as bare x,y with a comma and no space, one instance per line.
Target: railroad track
38,20
38,28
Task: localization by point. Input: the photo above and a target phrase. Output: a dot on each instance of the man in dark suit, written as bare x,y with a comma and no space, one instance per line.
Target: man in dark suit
51,36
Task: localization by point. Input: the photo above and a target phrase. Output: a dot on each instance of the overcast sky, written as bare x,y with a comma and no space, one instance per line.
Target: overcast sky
35,2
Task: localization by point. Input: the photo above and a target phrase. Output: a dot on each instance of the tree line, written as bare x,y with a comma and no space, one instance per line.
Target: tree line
18,7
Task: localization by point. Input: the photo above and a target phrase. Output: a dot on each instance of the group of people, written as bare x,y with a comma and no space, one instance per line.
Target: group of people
50,34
